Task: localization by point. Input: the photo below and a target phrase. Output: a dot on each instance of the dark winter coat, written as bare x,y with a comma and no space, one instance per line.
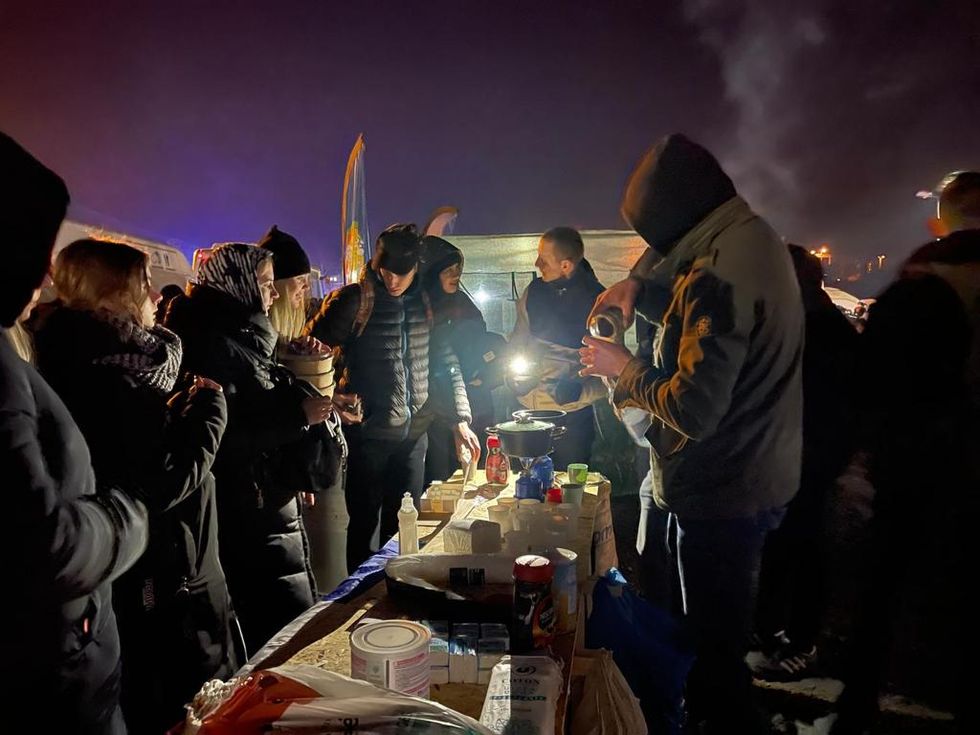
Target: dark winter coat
830,386
388,363
174,610
552,319
63,545
726,387
459,324
920,391
263,544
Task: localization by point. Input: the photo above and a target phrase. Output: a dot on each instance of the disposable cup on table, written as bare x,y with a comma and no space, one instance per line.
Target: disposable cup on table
572,493
500,514
578,473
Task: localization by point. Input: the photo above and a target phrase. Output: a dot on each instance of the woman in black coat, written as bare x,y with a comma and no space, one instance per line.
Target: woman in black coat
227,336
63,542
148,430
458,323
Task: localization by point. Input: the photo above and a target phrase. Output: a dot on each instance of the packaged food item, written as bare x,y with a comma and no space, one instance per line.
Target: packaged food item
497,465
438,643
534,613
522,696
463,662
393,654
471,536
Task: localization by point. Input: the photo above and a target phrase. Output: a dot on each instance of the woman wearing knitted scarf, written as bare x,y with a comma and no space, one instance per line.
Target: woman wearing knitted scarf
156,436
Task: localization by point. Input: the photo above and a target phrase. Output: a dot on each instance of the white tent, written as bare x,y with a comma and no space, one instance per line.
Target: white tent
498,267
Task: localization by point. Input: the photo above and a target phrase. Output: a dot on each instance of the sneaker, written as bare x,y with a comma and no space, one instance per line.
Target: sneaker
786,664
768,644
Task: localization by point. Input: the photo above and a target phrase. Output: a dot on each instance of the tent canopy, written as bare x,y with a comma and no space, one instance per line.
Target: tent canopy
499,267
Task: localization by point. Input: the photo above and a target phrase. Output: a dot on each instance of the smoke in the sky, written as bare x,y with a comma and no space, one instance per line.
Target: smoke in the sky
843,110
759,45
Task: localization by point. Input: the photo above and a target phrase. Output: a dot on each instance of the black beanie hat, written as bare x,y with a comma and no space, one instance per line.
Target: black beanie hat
675,185
32,206
397,249
288,257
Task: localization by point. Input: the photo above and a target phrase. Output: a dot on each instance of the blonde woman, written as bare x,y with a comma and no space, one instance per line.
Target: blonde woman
312,363
155,434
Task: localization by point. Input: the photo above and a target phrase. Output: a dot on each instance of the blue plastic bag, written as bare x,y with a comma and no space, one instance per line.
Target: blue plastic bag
648,645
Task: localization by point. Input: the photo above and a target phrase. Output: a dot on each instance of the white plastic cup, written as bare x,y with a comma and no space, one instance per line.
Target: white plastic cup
500,514
572,493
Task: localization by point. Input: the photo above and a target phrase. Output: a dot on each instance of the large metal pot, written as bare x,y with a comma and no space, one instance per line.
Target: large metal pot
530,434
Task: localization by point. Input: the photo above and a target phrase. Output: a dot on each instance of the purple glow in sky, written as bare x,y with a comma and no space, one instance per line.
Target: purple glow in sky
199,122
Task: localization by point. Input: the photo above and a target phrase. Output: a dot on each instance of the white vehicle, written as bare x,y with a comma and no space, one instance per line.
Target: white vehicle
852,306
167,264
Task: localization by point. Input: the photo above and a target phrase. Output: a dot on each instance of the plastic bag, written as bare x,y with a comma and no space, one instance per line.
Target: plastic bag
306,699
607,706
649,647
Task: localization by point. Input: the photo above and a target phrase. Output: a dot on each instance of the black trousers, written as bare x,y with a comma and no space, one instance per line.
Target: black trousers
576,445
379,473
792,583
718,570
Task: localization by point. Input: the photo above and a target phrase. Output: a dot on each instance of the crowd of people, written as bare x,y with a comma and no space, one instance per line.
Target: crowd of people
160,455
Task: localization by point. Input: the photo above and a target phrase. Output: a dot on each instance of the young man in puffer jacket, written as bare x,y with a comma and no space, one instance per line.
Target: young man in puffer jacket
726,398
380,330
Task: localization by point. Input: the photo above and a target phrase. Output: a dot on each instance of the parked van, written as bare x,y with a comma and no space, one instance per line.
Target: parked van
167,264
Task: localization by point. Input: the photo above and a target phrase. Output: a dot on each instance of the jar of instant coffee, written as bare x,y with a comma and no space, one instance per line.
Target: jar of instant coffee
534,610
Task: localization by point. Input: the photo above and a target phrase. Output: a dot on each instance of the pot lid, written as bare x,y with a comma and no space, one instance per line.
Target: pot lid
528,425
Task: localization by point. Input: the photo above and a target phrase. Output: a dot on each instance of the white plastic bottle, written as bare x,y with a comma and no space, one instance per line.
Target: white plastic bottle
408,529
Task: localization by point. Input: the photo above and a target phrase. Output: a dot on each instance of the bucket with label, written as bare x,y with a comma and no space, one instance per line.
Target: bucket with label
393,654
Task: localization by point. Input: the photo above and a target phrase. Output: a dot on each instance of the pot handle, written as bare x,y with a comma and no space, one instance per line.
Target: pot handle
558,432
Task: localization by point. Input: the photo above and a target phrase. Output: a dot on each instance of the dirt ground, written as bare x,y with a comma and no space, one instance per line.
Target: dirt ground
917,693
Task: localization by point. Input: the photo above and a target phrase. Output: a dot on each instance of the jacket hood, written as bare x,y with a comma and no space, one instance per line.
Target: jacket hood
437,255
31,210
674,186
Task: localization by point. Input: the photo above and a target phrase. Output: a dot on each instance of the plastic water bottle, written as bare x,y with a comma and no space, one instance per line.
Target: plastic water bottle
408,529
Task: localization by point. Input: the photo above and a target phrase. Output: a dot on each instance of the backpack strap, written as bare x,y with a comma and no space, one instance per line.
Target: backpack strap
429,316
364,309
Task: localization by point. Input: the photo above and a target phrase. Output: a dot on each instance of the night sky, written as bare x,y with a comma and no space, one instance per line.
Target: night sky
209,121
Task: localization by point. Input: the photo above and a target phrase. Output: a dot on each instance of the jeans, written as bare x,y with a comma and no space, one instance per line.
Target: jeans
718,565
379,473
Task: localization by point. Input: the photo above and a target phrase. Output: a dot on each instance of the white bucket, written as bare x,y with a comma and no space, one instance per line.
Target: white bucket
393,654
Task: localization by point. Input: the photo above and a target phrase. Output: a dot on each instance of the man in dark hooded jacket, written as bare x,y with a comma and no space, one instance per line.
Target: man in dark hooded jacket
65,538
725,394
380,328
